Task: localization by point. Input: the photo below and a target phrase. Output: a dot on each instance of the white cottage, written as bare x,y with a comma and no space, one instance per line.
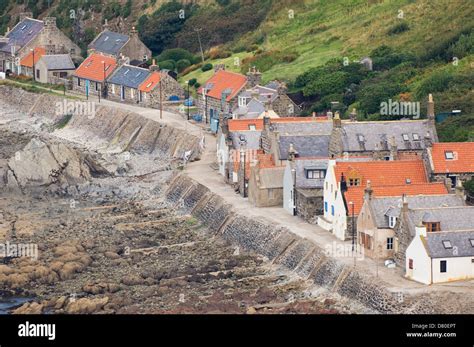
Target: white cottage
437,257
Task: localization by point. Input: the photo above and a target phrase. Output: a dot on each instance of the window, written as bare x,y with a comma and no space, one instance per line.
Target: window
392,221
361,138
408,181
405,137
389,243
37,73
242,101
354,182
326,208
63,74
410,264
416,137
96,86
449,155
443,266
252,127
447,244
432,226
315,174
332,210
472,242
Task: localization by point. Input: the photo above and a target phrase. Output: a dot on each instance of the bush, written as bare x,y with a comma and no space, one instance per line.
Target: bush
197,85
192,81
166,65
176,54
437,82
469,186
398,28
207,67
182,64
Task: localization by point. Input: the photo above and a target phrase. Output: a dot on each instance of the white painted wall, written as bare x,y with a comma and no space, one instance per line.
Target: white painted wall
222,154
457,268
288,186
421,262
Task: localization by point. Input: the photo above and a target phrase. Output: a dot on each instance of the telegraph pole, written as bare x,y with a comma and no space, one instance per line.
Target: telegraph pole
198,30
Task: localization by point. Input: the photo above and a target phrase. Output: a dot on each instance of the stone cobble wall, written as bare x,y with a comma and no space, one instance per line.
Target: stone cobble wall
301,256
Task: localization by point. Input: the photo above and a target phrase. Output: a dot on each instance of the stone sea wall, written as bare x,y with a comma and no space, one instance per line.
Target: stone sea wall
125,130
301,256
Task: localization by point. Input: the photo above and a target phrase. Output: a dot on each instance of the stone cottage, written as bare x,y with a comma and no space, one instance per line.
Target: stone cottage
266,182
91,76
124,84
54,69
303,184
118,46
29,34
379,214
452,162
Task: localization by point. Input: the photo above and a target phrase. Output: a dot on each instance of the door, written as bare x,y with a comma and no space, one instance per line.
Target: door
122,93
87,87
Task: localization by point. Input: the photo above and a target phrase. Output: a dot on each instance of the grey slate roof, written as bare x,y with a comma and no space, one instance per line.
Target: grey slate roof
300,128
301,165
109,42
451,218
58,62
384,207
460,242
305,145
22,33
376,135
129,76
253,109
251,137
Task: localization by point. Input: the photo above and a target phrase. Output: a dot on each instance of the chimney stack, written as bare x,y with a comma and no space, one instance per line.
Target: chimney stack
420,230
393,148
368,191
254,77
266,123
404,203
460,191
292,153
24,15
343,183
430,112
337,120
153,66
428,140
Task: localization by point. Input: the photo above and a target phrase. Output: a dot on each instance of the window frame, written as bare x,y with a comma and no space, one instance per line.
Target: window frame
443,266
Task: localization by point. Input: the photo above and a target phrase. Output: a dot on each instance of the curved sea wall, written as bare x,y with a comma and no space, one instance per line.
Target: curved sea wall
301,256
126,130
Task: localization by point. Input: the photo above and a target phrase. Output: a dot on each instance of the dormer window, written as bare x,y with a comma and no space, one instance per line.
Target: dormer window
432,226
405,137
392,221
354,182
449,155
252,127
315,174
408,181
447,244
242,101
416,137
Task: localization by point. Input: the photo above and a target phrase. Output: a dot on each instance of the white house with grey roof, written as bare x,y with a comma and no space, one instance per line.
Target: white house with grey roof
439,257
54,68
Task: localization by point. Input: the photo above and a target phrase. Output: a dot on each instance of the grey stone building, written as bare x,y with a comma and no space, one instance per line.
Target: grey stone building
29,34
124,84
54,69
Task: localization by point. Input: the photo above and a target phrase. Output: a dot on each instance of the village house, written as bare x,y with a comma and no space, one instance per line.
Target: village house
54,69
90,77
439,257
119,46
270,100
124,84
451,162
159,87
436,219
30,60
379,214
384,140
266,182
29,34
219,96
309,137
344,189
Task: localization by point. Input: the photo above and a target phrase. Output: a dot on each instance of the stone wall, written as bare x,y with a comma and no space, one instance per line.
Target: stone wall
309,208
305,259
123,130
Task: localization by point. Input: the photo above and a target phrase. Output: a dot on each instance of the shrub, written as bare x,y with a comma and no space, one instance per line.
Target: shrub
182,64
207,67
398,28
167,65
436,82
469,186
192,81
197,85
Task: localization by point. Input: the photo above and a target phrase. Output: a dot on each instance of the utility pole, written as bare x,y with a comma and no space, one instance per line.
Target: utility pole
198,30
189,98
34,72
161,98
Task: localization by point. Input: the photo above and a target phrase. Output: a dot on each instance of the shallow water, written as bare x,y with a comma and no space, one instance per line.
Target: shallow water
9,303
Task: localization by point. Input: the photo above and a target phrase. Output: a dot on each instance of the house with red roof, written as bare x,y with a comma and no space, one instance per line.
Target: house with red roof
344,192
91,76
451,162
30,60
159,86
219,96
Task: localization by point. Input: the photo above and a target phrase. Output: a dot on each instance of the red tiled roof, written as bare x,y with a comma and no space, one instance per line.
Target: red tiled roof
265,161
28,59
463,153
383,173
223,80
249,155
150,83
93,69
356,194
